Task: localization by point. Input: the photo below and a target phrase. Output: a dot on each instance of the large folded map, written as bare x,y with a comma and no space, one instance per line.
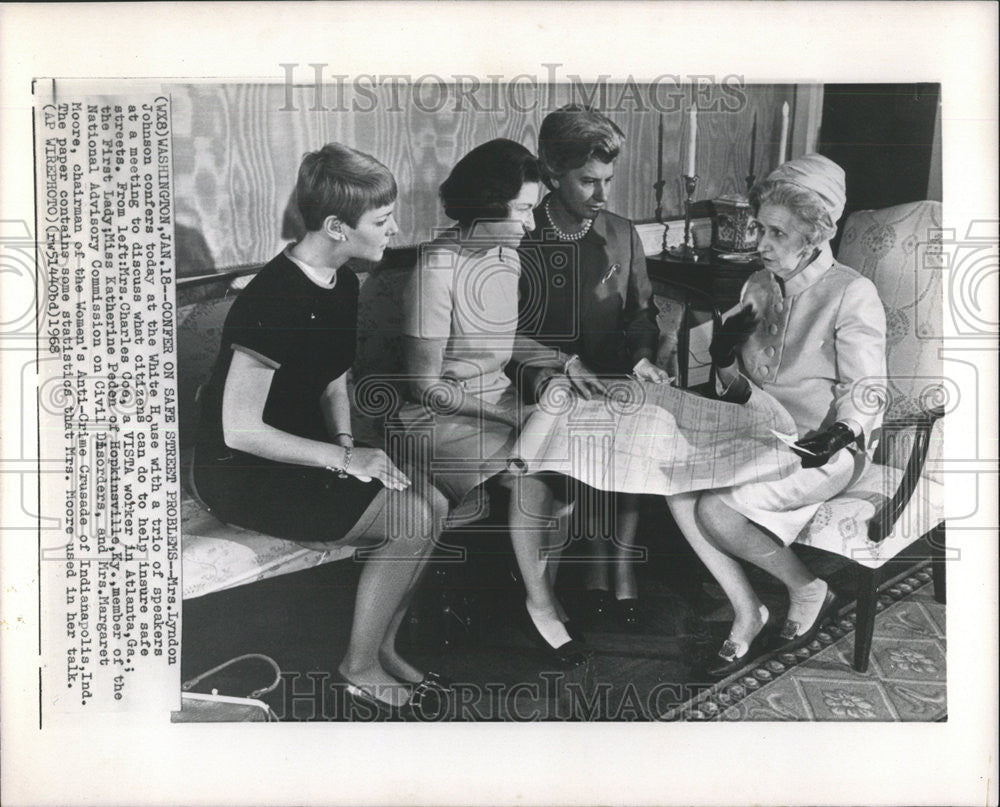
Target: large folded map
655,438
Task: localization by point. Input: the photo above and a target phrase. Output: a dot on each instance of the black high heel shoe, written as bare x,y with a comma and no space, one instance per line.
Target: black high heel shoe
566,656
596,604
574,631
627,613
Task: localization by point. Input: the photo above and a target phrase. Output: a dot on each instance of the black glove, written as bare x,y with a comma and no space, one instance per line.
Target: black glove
824,445
731,334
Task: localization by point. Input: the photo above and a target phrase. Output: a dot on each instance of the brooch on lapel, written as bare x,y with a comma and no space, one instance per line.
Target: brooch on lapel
611,272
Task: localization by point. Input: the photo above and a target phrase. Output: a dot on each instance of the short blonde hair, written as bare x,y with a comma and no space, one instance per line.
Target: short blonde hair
342,182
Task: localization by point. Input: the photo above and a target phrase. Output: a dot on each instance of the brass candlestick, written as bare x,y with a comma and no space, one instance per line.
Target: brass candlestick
685,251
690,183
658,190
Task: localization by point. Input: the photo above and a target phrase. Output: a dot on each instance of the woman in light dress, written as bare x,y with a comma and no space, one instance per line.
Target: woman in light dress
459,335
812,334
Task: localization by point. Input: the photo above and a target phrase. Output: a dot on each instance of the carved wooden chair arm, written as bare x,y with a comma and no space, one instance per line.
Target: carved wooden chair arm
922,423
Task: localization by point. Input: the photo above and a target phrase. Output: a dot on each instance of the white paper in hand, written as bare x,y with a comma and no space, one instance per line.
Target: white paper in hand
791,440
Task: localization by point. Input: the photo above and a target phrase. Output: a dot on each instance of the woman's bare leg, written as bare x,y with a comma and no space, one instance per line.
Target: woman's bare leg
736,534
595,524
724,568
532,504
390,573
598,575
552,571
392,662
627,525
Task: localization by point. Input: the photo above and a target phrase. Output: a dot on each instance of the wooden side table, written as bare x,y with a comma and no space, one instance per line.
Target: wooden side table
704,288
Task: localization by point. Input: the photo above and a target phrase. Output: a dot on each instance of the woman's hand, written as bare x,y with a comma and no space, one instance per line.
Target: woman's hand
645,370
818,449
583,381
672,363
731,334
373,463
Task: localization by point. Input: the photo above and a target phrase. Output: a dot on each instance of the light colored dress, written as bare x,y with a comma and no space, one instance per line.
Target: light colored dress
820,351
466,295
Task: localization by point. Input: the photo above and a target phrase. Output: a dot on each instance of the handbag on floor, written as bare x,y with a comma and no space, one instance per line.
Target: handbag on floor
199,707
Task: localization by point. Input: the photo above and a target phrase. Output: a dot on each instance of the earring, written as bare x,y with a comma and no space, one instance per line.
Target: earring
555,183
338,235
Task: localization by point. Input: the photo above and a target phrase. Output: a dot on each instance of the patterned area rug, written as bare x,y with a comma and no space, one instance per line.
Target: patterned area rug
906,679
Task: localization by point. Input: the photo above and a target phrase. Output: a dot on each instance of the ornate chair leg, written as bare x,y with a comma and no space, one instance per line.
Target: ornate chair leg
868,580
937,544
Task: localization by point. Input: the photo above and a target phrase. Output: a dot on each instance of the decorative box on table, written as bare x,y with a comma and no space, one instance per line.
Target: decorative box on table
734,230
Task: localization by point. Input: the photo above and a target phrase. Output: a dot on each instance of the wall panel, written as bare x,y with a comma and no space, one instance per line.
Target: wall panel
237,148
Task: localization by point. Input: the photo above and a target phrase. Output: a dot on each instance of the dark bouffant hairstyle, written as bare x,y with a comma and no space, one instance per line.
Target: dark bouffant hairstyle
486,180
572,136
342,182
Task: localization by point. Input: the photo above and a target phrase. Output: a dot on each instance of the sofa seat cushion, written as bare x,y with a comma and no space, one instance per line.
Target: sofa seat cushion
218,556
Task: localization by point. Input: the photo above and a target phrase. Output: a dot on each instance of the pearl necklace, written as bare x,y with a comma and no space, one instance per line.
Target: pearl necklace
563,236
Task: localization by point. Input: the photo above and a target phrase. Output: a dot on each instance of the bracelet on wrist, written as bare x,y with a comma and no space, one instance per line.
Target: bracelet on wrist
348,435
342,470
634,372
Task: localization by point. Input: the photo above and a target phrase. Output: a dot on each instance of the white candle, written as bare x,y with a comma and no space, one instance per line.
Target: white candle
692,139
782,149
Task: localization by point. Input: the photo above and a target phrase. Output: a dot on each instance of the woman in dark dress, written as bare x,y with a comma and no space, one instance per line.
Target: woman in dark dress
275,451
584,290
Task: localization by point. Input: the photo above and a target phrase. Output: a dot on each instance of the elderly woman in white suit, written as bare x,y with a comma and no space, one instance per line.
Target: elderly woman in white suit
811,332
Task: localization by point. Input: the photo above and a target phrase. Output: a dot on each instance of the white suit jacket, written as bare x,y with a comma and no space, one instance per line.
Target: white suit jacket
820,346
